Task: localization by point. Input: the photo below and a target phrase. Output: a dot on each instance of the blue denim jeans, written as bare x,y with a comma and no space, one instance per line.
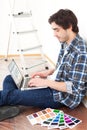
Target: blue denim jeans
11,95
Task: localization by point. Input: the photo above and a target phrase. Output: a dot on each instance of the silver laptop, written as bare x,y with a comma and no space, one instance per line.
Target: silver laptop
20,80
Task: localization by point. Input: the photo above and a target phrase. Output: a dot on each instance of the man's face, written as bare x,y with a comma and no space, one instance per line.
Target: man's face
61,34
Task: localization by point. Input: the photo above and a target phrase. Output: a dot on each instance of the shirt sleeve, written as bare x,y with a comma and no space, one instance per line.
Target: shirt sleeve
79,75
69,86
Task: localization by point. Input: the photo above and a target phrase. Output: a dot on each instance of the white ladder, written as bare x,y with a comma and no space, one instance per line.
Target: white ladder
32,30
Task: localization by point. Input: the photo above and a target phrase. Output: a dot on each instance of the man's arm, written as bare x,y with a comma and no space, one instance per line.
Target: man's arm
60,86
43,74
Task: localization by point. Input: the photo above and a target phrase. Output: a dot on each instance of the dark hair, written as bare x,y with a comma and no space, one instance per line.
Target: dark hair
65,18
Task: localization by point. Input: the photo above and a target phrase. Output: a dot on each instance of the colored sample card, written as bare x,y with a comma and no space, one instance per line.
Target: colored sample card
39,117
61,121
50,120
71,121
58,122
53,118
47,122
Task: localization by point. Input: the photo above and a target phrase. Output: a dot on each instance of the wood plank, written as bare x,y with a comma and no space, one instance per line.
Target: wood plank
21,122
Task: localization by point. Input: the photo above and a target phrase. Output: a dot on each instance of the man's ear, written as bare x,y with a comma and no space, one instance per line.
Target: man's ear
70,27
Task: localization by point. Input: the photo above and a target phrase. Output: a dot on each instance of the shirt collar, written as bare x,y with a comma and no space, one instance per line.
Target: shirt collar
72,45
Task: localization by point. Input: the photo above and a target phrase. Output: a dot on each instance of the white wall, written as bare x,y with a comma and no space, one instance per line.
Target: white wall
41,10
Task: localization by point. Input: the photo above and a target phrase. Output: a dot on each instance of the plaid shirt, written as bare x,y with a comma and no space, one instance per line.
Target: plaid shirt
72,68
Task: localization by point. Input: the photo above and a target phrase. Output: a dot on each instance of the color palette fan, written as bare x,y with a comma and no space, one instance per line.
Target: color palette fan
53,118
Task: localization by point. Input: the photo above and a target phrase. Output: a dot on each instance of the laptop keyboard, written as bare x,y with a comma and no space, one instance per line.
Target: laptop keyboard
26,82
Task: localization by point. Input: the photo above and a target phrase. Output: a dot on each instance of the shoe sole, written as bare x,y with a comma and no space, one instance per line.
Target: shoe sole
9,113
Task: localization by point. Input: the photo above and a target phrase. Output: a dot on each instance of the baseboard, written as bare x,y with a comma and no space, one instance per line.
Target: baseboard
36,55
17,55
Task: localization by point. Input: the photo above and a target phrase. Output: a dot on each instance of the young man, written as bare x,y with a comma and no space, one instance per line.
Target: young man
66,84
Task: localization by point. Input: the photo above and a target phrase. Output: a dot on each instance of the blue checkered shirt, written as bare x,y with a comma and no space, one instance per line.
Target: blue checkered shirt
72,68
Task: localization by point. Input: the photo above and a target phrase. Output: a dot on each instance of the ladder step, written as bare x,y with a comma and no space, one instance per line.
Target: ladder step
34,65
22,14
28,31
31,48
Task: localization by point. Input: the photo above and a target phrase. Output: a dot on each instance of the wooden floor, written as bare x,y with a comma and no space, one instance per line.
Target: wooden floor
21,122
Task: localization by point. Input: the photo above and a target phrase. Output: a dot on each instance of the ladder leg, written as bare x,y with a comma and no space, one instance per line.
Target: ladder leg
6,57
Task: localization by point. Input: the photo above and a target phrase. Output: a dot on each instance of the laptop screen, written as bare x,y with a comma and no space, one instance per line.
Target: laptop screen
15,73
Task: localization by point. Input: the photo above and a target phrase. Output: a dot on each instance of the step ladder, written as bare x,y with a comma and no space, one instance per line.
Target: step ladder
32,31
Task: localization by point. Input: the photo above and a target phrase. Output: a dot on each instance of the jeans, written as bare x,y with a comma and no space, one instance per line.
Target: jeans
11,95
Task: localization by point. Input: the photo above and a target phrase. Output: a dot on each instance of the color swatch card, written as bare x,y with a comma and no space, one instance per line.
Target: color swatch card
71,121
57,122
53,118
39,117
61,121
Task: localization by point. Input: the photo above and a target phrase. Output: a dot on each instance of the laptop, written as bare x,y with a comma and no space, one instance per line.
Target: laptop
20,80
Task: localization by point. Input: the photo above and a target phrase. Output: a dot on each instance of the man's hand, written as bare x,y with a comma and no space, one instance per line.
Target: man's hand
43,74
37,82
